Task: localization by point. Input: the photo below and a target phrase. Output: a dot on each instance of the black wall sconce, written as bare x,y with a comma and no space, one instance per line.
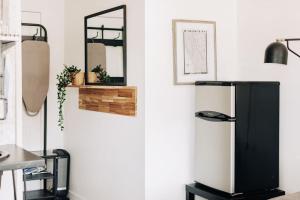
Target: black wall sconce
277,52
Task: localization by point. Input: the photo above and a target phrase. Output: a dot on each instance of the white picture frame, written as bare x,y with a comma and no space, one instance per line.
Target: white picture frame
194,49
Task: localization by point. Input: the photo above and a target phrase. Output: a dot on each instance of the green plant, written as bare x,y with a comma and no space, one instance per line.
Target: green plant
102,75
64,79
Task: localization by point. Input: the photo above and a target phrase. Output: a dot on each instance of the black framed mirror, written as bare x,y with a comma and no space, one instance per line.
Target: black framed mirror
105,47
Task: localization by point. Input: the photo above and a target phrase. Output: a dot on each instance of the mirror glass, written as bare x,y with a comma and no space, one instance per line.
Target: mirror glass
105,47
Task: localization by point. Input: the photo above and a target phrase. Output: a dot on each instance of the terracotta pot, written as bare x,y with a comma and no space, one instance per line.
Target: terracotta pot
78,79
92,77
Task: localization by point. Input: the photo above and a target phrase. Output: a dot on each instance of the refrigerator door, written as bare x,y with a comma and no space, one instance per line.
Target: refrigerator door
215,132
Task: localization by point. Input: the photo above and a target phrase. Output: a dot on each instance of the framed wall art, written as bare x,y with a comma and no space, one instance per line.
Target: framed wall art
194,46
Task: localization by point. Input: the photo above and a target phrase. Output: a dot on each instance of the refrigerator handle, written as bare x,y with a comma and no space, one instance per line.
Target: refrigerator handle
214,116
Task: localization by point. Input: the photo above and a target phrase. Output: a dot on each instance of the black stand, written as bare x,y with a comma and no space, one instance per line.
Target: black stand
200,190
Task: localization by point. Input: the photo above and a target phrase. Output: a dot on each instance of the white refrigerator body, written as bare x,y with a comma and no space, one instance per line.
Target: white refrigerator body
215,147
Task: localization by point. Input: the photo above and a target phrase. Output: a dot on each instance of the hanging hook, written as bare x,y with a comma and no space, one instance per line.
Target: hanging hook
102,31
95,37
34,36
117,36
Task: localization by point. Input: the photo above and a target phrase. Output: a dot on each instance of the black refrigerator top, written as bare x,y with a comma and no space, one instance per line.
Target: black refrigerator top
232,83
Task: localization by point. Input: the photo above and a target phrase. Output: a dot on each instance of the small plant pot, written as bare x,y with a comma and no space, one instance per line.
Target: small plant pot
92,77
78,79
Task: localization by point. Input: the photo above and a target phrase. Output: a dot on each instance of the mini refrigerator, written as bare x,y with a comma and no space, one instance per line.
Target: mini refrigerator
237,136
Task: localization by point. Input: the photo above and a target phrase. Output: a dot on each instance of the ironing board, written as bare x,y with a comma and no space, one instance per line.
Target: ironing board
35,74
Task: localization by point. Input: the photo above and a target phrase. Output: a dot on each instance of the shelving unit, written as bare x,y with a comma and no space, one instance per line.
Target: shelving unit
43,193
39,194
41,176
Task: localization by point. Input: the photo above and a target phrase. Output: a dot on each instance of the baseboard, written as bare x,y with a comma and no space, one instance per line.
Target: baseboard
75,196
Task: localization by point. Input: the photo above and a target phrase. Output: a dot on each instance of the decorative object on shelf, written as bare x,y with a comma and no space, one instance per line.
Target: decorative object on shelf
92,77
277,52
64,79
194,48
102,76
78,79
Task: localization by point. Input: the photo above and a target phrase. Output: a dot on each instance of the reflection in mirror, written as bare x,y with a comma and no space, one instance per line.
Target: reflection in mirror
105,47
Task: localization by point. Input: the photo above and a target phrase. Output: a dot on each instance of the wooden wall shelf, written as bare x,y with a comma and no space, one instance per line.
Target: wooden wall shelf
120,100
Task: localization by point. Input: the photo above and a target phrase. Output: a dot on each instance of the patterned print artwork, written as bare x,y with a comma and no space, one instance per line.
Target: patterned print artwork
195,57
195,51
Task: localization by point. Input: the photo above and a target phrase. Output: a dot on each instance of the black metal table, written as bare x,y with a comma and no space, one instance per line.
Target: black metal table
197,189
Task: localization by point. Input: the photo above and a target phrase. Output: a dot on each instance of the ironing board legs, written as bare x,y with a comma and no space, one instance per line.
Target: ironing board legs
14,184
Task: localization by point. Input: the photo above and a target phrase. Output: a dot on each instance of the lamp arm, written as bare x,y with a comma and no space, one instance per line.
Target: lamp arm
288,46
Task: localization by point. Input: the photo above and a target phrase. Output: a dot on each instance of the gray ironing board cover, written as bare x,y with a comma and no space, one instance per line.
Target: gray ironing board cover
96,55
35,74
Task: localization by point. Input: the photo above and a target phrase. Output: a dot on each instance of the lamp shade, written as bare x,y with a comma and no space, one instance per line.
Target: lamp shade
276,53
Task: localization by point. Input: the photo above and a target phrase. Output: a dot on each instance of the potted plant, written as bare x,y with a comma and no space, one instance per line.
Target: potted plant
64,79
102,75
78,79
92,77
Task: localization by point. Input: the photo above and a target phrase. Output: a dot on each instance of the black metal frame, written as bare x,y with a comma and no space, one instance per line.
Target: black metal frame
54,193
40,38
197,189
61,154
43,38
120,81
288,46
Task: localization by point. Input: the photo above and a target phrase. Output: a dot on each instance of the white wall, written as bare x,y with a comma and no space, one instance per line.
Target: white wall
170,108
259,24
107,150
10,132
41,11
250,24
